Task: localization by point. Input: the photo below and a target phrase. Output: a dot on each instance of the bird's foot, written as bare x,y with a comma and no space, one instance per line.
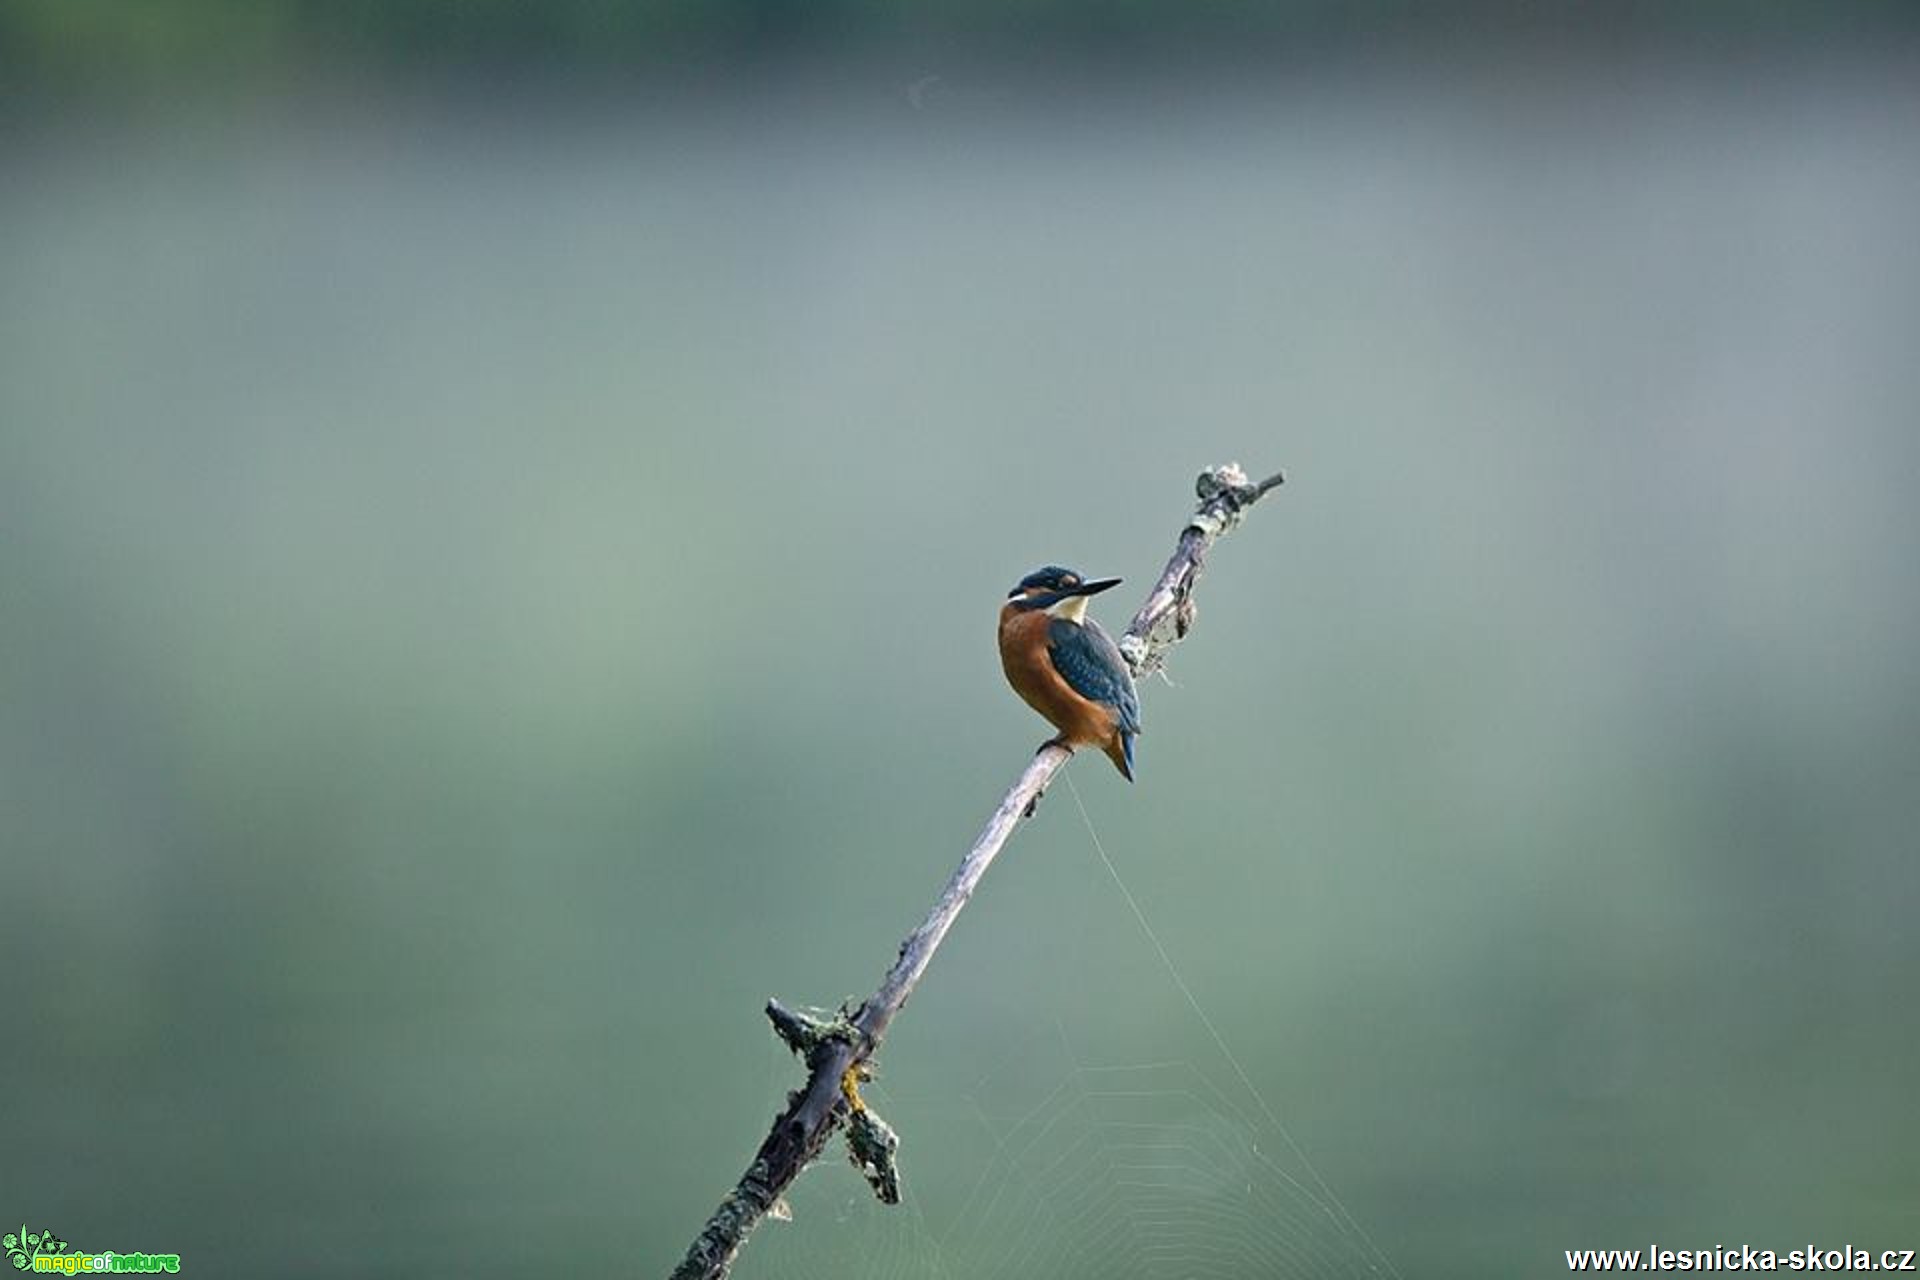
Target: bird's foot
1064,745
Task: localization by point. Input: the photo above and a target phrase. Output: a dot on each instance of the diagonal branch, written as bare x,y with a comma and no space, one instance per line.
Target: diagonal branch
837,1047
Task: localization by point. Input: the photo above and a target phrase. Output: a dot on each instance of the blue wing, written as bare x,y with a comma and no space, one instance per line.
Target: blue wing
1087,659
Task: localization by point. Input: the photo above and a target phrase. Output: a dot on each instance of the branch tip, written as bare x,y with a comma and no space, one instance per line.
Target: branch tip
872,1146
804,1033
1225,494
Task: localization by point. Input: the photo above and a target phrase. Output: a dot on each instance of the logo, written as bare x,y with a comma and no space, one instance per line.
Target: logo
42,1251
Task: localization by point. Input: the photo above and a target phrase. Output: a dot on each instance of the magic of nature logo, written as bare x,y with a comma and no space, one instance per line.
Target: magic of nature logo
43,1251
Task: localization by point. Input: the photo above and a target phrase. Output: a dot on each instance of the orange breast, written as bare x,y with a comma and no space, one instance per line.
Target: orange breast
1030,670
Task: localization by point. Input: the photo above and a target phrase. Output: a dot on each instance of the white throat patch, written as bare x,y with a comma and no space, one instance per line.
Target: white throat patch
1073,609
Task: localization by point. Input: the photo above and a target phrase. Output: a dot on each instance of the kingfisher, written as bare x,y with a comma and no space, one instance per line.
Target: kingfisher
1066,666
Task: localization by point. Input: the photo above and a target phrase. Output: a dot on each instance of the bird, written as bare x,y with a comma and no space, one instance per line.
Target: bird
1067,667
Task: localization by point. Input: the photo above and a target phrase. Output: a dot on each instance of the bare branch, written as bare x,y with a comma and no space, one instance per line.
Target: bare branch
837,1047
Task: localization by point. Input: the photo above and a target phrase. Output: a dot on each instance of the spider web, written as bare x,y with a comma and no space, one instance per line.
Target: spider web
1140,1171
1053,1163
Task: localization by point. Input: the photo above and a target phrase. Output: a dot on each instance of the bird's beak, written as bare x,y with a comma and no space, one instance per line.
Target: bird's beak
1093,588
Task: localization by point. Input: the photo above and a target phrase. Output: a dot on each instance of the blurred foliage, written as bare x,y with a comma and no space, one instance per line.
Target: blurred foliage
54,44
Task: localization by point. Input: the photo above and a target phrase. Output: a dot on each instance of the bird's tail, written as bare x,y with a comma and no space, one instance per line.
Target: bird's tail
1120,751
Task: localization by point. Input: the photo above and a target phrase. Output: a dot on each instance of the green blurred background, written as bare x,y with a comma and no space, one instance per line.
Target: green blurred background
502,509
